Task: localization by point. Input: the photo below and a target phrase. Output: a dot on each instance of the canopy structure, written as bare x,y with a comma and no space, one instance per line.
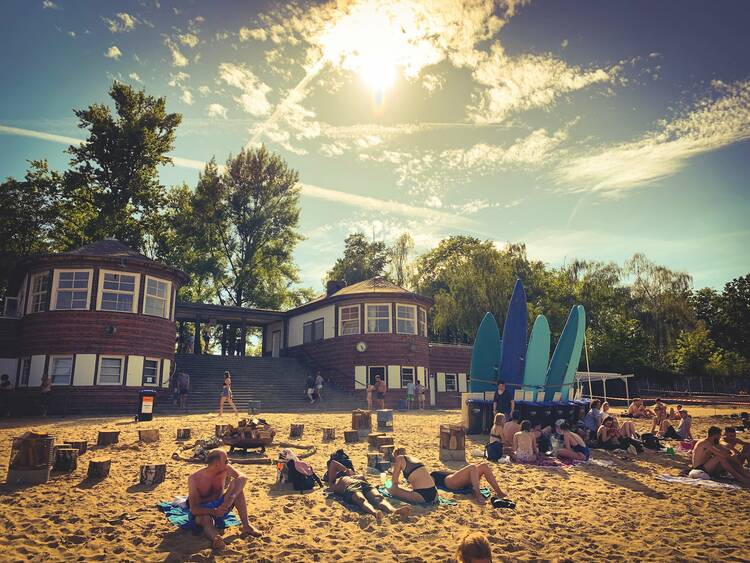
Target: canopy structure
589,376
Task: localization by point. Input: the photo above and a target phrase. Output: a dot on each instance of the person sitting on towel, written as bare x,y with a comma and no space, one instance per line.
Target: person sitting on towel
713,458
609,437
423,488
496,432
740,448
210,504
683,431
573,446
525,447
355,489
468,477
510,429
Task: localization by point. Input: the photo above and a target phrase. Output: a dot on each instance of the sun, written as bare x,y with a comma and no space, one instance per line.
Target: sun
377,72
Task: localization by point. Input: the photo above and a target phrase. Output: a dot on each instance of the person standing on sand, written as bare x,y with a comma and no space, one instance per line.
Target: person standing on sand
44,393
183,381
210,504
502,401
410,395
713,458
6,391
380,389
421,391
370,391
226,394
310,388
319,386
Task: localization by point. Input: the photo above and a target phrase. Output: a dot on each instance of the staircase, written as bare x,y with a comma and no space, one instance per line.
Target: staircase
278,383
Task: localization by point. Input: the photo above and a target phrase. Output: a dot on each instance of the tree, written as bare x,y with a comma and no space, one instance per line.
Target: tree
112,188
692,351
617,343
733,330
400,265
361,261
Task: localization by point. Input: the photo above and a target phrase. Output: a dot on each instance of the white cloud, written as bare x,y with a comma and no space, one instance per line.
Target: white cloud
187,97
709,125
122,23
189,39
247,34
332,150
204,90
217,110
72,34
253,91
49,5
178,59
178,79
113,52
134,76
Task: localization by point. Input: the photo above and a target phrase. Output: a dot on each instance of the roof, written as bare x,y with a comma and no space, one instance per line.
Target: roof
373,285
107,247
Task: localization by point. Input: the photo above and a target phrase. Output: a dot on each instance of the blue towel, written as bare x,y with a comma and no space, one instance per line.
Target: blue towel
183,518
439,501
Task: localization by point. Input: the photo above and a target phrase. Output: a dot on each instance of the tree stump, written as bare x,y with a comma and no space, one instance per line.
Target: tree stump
220,430
351,436
152,474
329,433
387,452
383,441
66,458
452,442
183,433
372,439
148,436
362,422
385,420
296,430
99,468
32,451
107,438
375,460
81,446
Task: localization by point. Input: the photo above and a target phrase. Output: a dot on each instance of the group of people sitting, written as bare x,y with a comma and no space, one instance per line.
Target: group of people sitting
717,459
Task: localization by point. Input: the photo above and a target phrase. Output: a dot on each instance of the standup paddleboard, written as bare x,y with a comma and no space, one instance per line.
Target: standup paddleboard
575,355
537,358
485,356
562,355
515,330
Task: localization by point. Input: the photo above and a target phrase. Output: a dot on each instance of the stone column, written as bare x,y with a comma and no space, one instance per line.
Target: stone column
198,341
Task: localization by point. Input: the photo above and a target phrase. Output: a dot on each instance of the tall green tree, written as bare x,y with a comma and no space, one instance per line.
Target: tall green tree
361,261
400,264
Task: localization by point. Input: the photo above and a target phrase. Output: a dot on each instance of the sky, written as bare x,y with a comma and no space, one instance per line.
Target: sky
586,129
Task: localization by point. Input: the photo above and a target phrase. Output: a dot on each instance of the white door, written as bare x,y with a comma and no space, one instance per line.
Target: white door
432,389
275,343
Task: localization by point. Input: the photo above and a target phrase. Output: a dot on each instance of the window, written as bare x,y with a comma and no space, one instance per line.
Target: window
407,376
118,292
61,370
72,290
156,302
406,319
25,372
422,322
451,382
10,308
150,371
39,292
312,331
375,371
378,318
110,371
349,320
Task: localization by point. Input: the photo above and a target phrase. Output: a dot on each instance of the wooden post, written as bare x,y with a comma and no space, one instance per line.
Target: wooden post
183,433
66,458
220,430
82,447
329,433
107,438
372,439
383,441
148,436
387,452
27,453
296,430
351,436
374,460
99,468
362,422
452,442
153,474
385,420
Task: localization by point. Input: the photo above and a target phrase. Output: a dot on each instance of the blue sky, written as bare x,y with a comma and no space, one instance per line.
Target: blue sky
585,129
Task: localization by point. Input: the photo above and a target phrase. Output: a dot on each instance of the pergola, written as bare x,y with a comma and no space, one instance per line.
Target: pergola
589,376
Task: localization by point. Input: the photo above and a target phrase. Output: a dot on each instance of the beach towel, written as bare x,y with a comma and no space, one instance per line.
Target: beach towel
467,491
439,501
180,516
697,482
543,462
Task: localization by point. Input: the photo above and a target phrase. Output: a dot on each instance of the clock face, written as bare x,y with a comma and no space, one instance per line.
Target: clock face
361,346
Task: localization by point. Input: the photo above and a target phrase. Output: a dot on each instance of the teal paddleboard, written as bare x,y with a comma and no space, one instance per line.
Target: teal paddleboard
561,357
575,355
537,356
485,356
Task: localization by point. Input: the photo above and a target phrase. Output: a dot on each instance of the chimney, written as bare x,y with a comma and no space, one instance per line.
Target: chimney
332,286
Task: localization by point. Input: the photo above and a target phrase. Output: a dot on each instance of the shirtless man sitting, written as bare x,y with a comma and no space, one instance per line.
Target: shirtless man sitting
210,504
740,448
510,429
356,490
715,459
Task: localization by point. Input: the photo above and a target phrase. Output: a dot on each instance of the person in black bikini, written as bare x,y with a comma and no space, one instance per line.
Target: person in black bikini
355,489
468,476
423,488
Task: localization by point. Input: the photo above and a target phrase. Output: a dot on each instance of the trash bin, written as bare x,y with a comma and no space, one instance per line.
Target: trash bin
253,407
146,403
489,416
476,416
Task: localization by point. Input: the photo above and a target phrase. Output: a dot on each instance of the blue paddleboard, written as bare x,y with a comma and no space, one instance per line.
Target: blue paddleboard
575,355
537,356
515,330
562,355
485,356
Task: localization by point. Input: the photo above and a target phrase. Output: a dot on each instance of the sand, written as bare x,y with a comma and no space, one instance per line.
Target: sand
580,513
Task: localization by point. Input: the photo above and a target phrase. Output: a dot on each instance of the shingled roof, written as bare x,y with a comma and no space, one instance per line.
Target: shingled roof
108,247
373,285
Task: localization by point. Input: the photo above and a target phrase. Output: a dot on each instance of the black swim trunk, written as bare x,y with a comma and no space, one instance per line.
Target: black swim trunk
359,487
429,495
439,478
381,396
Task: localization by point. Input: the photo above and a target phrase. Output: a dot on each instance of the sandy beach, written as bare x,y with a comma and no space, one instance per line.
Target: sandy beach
583,513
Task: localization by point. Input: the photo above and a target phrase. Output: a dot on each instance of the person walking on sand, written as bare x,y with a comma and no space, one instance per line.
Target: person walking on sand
421,391
319,386
183,382
380,389
310,389
410,395
210,504
226,394
44,393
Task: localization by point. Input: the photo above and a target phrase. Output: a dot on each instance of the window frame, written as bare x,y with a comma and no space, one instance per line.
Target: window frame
156,375
33,294
342,321
101,363
371,377
167,300
101,290
51,371
413,376
454,377
56,290
421,323
389,306
413,320
312,323
21,382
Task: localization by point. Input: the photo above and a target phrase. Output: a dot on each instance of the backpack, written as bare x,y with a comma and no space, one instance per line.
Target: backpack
650,441
493,451
342,458
302,476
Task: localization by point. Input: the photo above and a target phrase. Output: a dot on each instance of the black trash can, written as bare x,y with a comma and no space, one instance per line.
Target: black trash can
146,404
476,416
489,416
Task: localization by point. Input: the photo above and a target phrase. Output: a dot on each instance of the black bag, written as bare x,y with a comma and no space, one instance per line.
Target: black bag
302,476
493,451
342,458
650,441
